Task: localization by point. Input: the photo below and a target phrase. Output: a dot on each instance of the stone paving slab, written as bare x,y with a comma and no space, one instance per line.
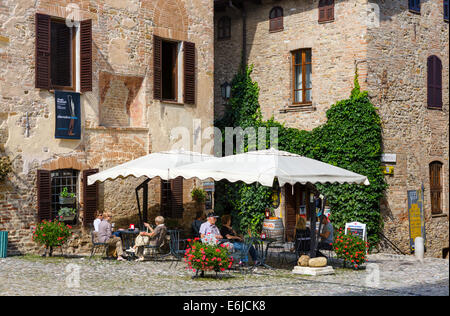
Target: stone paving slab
387,275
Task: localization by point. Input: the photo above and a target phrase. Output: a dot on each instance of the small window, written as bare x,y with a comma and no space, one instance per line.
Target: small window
326,10
436,187
62,178
169,70
56,56
276,19
224,28
446,10
434,82
302,72
414,6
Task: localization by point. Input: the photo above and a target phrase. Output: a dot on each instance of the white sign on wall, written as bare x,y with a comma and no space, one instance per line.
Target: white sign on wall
389,158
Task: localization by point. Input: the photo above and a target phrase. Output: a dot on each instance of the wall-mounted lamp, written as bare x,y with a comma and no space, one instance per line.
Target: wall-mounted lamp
226,91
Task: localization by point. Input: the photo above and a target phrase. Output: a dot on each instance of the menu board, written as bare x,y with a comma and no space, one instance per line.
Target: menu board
416,220
356,228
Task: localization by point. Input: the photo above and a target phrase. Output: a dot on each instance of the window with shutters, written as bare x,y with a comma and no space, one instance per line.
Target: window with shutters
224,28
60,179
172,198
276,20
446,10
57,54
436,187
414,6
326,11
434,82
301,77
174,71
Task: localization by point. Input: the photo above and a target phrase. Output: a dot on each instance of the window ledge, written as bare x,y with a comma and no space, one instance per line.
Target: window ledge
434,108
277,30
299,108
438,215
171,102
414,11
118,128
325,22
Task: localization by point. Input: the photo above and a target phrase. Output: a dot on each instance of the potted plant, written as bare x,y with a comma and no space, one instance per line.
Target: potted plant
351,248
51,234
198,195
66,198
207,257
67,214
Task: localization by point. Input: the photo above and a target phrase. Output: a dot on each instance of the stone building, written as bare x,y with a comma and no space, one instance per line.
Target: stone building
304,55
142,68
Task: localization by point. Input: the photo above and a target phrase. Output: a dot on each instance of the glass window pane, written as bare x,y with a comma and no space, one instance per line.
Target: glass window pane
308,56
298,58
308,96
298,77
308,76
298,96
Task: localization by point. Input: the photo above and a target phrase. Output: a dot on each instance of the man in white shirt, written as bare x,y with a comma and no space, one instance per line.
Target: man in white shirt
97,221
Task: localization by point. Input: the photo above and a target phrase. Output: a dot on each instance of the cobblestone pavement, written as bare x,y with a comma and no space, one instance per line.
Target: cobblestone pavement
384,275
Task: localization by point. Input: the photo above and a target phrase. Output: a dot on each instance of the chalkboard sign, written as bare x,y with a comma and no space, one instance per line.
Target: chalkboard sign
356,228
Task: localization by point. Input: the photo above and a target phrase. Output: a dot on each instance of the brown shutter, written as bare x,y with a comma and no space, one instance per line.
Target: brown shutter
42,58
61,55
157,68
435,187
326,10
434,82
90,197
165,198
276,24
176,186
189,73
44,195
86,56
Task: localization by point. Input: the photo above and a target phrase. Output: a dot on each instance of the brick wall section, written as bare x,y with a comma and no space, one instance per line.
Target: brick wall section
397,61
120,119
392,67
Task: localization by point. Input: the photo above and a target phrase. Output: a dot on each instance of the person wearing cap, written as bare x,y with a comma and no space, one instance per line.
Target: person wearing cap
209,227
326,236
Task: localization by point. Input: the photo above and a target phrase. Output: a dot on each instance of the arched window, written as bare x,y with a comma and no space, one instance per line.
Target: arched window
224,28
434,82
326,10
436,187
276,19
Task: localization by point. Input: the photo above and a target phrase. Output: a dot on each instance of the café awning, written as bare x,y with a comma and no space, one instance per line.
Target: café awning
150,166
264,166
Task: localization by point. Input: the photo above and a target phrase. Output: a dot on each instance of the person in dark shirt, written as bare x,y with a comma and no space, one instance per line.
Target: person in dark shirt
238,241
198,221
302,236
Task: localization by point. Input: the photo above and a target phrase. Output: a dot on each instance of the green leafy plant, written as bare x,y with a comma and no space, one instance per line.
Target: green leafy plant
198,194
350,139
51,234
351,248
65,193
5,167
66,211
207,257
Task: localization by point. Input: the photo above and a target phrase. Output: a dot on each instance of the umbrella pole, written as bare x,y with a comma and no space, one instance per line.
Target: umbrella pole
314,239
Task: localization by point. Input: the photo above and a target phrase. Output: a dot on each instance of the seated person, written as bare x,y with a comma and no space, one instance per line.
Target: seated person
97,221
326,236
154,238
105,236
198,221
209,227
301,231
228,232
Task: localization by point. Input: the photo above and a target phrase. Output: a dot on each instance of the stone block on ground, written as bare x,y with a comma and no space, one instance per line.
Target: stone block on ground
318,262
303,261
313,271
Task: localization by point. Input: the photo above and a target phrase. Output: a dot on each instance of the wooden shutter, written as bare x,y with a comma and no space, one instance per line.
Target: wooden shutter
326,10
189,73
446,10
434,82
44,195
176,188
435,187
86,56
157,68
165,199
61,55
90,198
42,51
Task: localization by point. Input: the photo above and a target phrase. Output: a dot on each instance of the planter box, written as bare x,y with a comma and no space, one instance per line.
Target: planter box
67,200
68,218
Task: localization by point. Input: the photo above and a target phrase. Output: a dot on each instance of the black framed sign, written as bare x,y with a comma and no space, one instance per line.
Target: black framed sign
68,116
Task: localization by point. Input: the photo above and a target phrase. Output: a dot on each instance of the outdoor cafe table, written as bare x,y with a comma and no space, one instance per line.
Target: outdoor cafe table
262,253
128,237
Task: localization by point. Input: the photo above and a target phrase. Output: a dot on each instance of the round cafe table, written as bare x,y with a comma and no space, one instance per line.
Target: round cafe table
128,237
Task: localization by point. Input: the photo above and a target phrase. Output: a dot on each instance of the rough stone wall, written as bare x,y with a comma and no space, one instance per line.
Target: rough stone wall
336,46
120,119
397,60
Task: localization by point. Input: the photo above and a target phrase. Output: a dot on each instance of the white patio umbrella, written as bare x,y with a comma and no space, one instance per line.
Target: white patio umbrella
152,165
264,166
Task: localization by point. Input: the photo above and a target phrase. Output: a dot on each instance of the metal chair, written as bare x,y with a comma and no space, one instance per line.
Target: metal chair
96,245
174,245
243,253
276,245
